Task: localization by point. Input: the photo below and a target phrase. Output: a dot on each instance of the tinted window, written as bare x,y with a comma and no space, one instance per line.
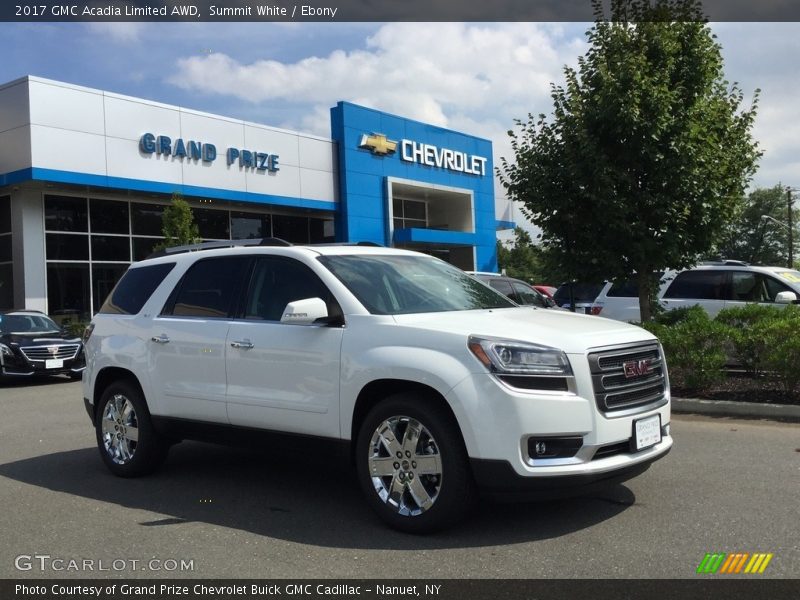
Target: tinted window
213,224
109,216
527,295
62,213
111,247
135,288
291,229
63,246
5,214
581,291
143,247
146,218
774,287
104,278
701,285
210,288
278,281
502,286
68,291
246,226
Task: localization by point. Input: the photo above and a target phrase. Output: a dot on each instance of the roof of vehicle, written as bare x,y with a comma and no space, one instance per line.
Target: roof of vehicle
23,311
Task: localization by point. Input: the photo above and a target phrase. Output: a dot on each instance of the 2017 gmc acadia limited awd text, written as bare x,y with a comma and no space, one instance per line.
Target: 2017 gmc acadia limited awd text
436,385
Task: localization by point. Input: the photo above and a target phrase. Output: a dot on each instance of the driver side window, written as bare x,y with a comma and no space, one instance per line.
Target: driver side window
277,281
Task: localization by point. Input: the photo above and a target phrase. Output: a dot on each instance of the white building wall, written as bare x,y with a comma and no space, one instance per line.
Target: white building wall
80,131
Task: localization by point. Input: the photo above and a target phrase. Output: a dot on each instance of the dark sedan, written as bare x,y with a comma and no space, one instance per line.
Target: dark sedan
32,344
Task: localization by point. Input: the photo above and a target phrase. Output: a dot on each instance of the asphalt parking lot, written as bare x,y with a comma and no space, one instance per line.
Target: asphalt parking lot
728,486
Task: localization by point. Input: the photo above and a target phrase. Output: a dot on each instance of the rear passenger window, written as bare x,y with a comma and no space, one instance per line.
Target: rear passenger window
135,288
527,296
699,285
209,289
502,286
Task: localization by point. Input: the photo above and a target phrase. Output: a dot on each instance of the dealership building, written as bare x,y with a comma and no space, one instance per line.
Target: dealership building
85,176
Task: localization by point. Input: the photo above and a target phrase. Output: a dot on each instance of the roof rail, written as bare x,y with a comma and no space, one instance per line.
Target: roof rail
726,262
371,244
269,241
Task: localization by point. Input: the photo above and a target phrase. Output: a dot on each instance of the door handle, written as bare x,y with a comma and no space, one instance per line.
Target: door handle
243,344
160,339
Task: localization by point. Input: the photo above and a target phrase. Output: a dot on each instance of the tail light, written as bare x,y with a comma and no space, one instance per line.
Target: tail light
597,309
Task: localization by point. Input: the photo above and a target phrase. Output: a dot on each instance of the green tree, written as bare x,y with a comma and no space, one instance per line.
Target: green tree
750,237
520,259
646,145
177,224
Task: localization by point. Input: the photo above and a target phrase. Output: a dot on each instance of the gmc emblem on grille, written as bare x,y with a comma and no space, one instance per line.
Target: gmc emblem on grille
637,368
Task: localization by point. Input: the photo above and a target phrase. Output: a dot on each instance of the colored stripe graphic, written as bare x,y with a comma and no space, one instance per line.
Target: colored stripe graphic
734,563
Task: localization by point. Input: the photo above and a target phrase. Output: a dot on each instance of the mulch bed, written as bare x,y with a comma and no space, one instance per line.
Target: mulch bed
740,387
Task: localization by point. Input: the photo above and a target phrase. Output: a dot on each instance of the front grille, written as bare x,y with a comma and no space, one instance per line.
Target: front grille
63,351
628,377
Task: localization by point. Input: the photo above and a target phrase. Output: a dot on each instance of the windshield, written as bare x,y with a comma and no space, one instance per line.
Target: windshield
790,277
396,285
27,324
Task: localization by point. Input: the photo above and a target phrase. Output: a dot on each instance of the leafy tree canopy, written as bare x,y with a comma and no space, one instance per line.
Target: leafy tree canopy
646,146
752,238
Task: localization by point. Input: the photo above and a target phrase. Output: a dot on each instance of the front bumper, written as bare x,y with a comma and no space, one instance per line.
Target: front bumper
20,366
501,426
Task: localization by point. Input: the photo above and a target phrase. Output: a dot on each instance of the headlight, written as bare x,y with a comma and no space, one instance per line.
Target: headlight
509,356
6,350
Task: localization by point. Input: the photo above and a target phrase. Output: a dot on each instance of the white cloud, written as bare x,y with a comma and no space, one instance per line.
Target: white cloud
430,72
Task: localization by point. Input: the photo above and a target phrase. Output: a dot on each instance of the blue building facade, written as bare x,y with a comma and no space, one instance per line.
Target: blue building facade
404,183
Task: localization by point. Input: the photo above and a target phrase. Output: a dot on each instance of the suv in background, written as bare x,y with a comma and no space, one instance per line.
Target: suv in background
730,284
431,382
581,292
619,300
520,292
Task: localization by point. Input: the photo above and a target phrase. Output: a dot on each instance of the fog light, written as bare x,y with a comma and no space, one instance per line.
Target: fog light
554,447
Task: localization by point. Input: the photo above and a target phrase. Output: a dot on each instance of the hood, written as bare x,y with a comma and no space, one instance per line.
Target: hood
39,339
567,331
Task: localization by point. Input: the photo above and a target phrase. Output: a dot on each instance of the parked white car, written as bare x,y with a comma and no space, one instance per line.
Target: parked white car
434,384
713,286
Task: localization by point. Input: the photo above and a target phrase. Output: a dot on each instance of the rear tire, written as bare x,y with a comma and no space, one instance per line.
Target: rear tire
412,464
129,444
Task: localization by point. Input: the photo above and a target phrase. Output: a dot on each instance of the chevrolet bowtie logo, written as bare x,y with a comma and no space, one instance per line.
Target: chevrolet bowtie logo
378,144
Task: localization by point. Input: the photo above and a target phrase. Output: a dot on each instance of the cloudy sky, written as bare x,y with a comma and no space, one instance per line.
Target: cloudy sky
475,78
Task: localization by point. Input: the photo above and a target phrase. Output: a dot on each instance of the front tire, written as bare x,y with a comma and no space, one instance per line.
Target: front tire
412,465
129,444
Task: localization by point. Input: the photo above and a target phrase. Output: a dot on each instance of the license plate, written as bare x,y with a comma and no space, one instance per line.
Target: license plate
647,432
54,363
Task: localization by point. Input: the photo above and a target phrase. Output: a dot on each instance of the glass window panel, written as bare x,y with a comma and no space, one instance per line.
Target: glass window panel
104,278
109,247
5,214
135,288
414,210
146,218
322,231
278,281
5,248
210,288
109,216
68,292
6,286
63,246
63,213
143,247
247,226
212,223
290,228
774,287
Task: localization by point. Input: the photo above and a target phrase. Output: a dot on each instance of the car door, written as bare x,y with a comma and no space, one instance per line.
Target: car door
703,287
187,340
282,376
748,287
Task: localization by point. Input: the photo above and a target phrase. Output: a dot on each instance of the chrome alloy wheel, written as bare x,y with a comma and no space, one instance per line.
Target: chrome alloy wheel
120,429
405,465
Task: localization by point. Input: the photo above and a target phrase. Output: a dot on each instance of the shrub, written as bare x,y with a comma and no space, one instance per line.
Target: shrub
746,325
782,349
678,315
694,349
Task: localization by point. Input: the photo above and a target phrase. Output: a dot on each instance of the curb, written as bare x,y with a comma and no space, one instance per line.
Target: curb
726,408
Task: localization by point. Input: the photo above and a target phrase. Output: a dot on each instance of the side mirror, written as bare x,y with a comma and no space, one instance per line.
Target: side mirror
786,298
304,312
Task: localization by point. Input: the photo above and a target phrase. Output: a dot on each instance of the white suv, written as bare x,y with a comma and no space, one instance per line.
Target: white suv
433,383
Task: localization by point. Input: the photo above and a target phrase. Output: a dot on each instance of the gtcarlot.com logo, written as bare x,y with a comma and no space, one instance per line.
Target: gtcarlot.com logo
734,564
